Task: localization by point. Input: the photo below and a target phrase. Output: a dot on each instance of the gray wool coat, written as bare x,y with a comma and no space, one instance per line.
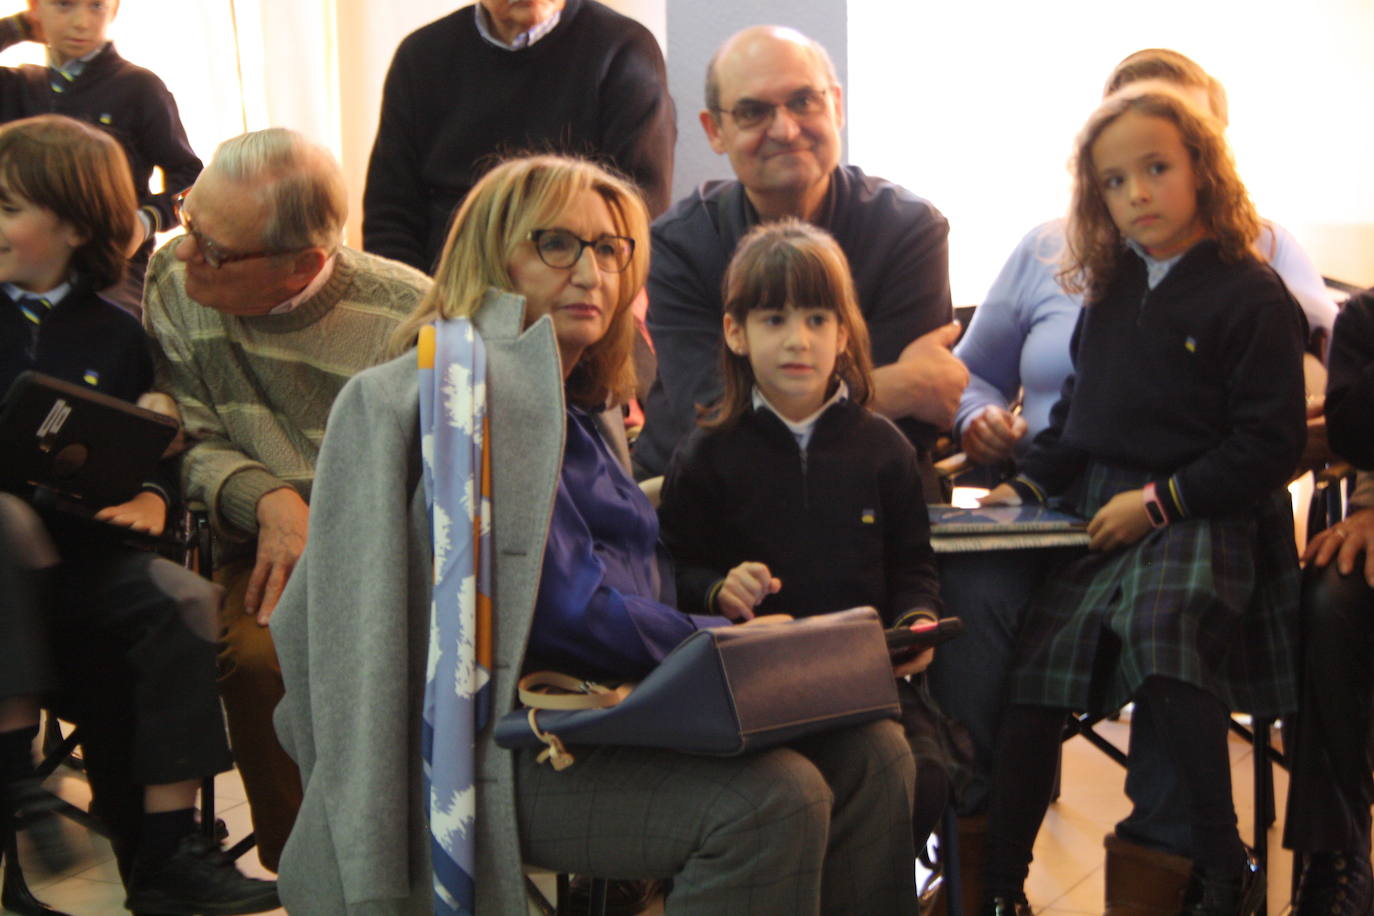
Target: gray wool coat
352,627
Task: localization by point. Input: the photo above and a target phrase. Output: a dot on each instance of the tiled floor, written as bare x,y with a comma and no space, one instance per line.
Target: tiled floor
1065,878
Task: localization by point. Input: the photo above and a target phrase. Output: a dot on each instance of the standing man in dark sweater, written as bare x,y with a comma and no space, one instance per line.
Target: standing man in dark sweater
506,76
86,79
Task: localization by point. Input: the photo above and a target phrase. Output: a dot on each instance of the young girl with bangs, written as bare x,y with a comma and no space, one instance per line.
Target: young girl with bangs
792,497
1175,435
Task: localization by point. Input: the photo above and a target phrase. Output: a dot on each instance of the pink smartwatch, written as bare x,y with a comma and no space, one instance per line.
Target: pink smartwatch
1154,509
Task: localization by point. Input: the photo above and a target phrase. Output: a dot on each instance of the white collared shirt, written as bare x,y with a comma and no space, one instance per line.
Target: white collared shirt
802,429
523,40
313,287
54,295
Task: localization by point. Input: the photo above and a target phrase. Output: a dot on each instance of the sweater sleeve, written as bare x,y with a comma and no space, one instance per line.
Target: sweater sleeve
638,122
1350,384
911,299
687,514
395,209
1300,275
163,142
214,470
1052,465
684,320
912,581
991,347
1265,410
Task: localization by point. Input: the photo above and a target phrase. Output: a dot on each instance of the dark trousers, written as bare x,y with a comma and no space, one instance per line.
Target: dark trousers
130,637
1329,788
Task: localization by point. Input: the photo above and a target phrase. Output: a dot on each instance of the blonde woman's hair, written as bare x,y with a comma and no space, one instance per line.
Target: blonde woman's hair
498,215
1094,244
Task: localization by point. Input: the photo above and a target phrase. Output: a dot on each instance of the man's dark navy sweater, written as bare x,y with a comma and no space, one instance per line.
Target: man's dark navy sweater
454,104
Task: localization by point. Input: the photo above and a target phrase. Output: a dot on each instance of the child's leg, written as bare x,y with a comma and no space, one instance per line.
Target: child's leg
1022,783
1191,725
932,780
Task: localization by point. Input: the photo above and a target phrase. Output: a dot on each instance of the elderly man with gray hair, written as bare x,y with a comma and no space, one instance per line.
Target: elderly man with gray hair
259,315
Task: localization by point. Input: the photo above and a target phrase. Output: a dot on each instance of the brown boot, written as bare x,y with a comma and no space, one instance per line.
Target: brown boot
973,858
1144,882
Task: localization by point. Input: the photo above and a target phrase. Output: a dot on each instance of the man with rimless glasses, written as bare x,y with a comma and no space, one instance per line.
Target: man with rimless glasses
258,316
774,108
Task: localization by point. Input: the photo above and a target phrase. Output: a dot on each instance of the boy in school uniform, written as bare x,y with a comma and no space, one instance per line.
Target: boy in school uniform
85,78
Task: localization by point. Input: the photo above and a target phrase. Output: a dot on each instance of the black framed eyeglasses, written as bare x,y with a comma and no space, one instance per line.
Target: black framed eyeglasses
215,255
750,113
562,249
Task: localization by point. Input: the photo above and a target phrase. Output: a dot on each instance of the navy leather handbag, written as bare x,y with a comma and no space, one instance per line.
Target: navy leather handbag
723,691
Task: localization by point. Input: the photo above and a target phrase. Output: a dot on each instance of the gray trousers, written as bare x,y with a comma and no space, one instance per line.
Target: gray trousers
820,826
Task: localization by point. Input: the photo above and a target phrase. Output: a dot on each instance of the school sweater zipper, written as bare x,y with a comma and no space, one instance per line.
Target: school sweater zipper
806,489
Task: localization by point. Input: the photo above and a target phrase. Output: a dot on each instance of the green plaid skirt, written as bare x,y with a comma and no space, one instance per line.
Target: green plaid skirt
1212,602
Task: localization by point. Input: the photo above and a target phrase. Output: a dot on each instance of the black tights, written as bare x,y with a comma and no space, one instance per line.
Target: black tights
1191,724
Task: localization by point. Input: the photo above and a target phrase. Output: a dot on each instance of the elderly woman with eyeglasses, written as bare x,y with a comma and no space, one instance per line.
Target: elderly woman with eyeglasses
409,806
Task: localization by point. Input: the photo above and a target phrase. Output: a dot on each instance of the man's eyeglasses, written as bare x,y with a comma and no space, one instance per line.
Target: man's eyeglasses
562,249
213,254
750,113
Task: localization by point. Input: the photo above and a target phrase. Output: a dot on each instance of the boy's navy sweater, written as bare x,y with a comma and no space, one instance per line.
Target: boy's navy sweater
87,341
84,340
1198,380
843,525
128,102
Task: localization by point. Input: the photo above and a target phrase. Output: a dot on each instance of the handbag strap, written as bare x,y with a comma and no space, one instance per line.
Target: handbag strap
551,690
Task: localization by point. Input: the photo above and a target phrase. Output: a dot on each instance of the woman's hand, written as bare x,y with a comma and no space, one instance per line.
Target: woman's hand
990,436
1004,494
145,512
1344,542
744,589
1120,523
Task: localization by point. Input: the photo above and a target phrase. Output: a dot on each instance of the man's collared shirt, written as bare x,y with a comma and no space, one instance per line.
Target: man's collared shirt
523,40
311,289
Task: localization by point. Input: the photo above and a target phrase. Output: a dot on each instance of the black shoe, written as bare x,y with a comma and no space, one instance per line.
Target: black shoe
623,898
1335,884
1006,906
198,880
1214,894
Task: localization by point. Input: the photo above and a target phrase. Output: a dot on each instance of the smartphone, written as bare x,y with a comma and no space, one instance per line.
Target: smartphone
902,639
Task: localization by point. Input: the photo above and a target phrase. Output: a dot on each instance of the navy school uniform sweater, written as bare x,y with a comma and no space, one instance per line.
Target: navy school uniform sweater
842,524
1198,380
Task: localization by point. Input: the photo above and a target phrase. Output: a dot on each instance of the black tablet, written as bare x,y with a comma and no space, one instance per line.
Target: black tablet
89,448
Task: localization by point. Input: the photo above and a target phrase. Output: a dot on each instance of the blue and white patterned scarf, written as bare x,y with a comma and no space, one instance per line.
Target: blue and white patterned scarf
454,446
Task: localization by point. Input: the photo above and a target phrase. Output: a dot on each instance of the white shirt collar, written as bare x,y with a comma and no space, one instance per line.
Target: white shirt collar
803,428
74,66
523,40
54,295
313,287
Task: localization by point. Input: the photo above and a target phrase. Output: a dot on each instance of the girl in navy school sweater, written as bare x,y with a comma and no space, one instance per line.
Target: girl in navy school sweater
1175,436
793,497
